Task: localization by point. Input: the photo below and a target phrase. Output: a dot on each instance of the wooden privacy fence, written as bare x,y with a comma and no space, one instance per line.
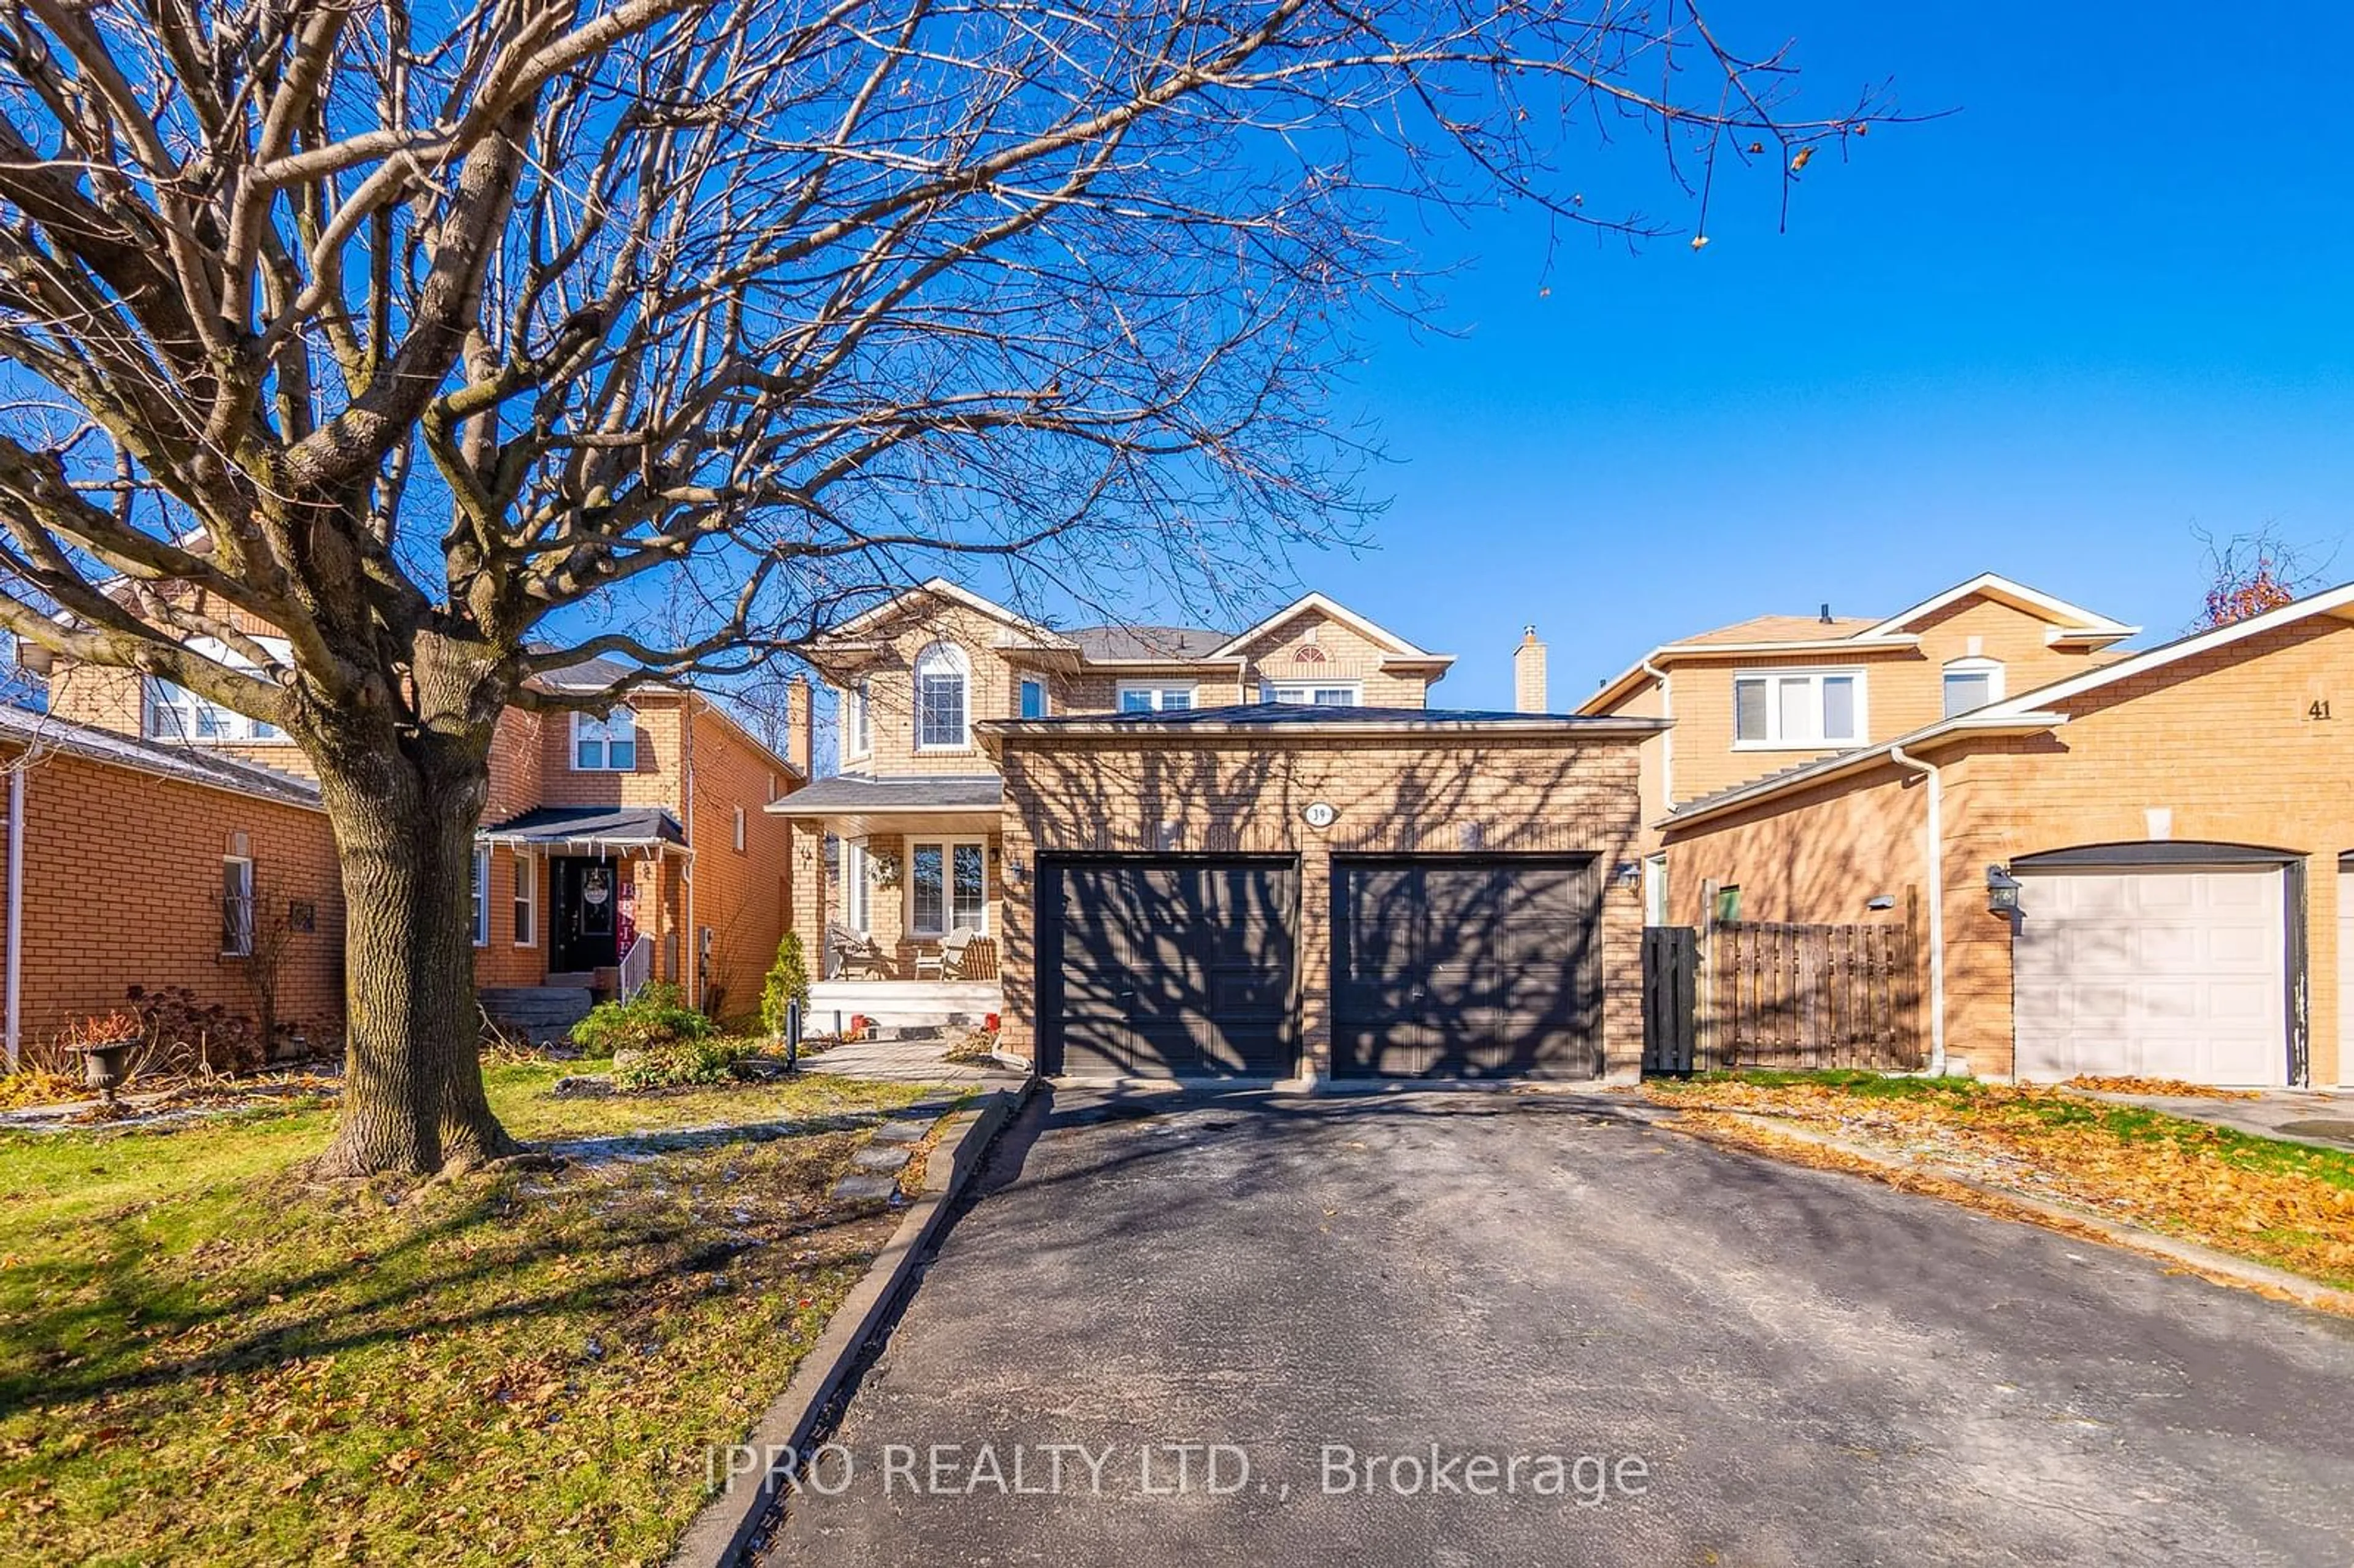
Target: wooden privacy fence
1776,995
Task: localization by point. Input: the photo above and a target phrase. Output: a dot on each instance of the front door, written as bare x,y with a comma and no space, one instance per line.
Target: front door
585,893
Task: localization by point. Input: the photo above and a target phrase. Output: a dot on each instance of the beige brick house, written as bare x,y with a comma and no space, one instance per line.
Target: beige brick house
2175,825
1775,691
1179,851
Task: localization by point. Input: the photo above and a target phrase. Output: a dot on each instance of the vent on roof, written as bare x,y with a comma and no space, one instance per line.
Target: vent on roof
1827,612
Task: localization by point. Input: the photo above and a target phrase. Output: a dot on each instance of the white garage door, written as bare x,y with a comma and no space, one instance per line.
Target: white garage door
2345,974
2161,974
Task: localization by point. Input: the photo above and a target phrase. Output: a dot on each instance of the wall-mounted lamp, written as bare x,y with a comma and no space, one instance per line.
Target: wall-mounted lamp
1881,901
1627,874
2002,891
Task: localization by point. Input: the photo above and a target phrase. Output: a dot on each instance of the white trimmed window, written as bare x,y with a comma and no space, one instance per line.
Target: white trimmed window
526,901
1805,709
856,908
1312,694
856,911
1034,697
946,886
173,713
1972,683
857,721
1144,697
607,744
236,906
481,892
943,684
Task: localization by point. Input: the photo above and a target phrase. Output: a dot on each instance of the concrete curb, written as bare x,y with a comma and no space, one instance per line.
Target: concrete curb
727,1524
2222,1267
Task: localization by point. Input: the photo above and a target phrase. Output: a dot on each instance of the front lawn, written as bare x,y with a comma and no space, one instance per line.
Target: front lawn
2285,1205
205,1360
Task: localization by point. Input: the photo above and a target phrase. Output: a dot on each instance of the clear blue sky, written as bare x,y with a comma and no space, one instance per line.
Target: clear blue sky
2106,299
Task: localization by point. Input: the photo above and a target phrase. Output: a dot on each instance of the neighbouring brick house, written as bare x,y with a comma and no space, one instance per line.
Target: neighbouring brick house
648,823
135,863
1183,851
2175,825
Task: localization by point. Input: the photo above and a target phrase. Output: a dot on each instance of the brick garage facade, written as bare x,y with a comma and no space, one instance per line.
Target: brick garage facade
122,886
2222,746
1436,789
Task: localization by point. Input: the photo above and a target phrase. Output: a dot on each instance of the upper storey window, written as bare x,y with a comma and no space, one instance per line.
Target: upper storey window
174,713
858,720
607,744
1798,708
943,689
1143,697
1312,694
1972,683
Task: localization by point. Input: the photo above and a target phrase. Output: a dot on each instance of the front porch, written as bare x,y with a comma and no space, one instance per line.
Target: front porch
903,1004
898,898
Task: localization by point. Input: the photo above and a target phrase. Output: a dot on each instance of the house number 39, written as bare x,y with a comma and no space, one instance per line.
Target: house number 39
2320,710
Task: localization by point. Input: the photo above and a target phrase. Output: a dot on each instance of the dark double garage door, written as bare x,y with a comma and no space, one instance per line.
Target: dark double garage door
1441,968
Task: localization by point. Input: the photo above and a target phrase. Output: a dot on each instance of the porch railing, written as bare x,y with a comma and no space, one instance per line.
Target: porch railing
637,967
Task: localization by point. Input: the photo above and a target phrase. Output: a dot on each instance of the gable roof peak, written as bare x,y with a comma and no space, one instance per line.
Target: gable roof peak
2072,620
1327,606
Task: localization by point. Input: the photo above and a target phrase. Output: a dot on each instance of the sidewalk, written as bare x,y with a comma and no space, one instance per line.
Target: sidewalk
2321,1118
907,1062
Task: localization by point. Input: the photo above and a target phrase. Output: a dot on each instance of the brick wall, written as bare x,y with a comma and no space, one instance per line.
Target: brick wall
738,893
1903,691
1314,647
2224,744
122,887
1243,794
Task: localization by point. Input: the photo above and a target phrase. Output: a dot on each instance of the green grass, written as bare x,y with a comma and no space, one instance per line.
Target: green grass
204,1359
2280,1203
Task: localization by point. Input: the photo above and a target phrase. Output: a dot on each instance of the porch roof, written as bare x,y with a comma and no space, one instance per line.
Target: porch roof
860,806
853,794
591,828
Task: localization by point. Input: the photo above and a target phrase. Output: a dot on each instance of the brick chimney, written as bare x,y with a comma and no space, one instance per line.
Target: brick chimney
797,724
1529,673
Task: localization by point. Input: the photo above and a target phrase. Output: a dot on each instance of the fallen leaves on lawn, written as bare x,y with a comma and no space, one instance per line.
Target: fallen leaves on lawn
2171,1088
2277,1204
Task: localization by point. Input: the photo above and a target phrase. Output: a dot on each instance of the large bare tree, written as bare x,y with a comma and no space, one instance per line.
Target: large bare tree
457,343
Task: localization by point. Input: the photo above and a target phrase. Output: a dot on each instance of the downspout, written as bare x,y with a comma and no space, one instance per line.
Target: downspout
690,940
1667,736
16,908
1936,905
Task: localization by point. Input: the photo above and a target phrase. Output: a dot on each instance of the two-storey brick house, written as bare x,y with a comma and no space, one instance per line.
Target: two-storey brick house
1777,690
1173,851
613,850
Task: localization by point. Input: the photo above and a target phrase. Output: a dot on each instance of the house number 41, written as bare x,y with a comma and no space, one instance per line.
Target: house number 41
2320,710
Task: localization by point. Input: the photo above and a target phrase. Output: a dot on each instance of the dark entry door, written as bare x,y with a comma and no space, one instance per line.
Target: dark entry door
1166,967
586,894
1472,969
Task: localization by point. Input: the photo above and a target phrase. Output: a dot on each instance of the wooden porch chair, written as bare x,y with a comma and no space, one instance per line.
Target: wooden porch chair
855,957
948,964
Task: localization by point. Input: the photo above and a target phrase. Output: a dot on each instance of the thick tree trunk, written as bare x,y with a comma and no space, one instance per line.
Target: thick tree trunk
413,1098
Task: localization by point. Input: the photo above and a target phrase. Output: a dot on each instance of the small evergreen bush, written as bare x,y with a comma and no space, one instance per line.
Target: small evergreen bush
788,981
656,1018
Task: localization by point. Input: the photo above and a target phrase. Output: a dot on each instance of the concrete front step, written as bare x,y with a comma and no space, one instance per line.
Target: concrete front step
540,1013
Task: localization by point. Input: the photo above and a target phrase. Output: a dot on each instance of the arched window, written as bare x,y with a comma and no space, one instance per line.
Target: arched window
943,679
1972,683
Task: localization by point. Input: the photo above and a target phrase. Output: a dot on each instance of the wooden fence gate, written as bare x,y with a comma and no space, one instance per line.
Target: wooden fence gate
1671,1011
1807,996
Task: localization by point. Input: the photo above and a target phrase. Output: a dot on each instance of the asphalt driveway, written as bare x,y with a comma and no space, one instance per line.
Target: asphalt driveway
1178,1337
